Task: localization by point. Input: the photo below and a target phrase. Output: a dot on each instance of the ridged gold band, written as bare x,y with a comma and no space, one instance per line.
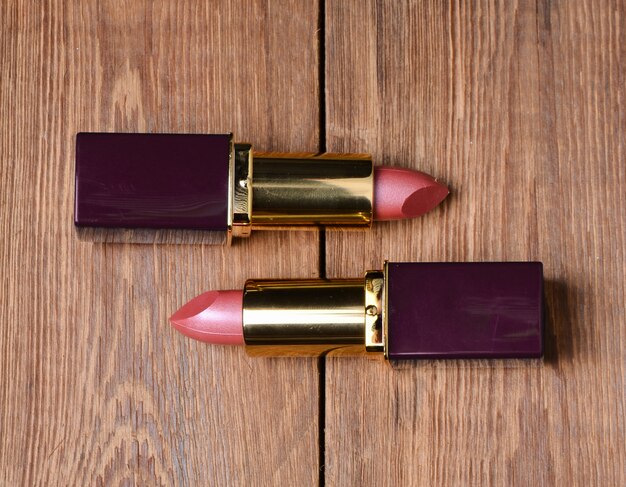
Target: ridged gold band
374,311
239,191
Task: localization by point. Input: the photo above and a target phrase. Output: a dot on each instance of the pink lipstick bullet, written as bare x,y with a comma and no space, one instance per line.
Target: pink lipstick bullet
214,317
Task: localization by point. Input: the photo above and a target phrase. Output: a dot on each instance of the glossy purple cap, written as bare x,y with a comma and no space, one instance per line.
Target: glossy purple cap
465,310
152,181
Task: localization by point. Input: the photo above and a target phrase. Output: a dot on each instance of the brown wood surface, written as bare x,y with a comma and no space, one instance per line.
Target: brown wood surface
95,387
519,106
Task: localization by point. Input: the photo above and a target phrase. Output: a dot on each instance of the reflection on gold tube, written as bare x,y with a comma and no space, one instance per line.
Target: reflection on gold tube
307,315
309,189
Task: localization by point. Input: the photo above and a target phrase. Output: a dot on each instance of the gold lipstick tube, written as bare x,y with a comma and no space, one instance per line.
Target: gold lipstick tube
269,190
310,317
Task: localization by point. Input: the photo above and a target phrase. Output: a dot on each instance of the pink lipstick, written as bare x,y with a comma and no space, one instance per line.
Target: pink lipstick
207,182
403,193
405,311
214,317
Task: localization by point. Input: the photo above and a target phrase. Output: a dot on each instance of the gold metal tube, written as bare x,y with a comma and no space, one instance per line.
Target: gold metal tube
309,317
299,317
310,189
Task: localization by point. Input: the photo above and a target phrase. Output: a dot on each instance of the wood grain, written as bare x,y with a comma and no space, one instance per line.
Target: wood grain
519,106
96,388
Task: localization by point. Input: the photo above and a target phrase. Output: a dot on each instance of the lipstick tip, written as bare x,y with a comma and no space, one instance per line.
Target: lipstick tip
405,193
212,317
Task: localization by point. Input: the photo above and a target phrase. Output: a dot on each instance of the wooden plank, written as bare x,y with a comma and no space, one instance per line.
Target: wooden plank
96,388
519,106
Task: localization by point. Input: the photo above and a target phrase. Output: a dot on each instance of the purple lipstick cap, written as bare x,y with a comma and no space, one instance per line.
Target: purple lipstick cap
465,310
170,181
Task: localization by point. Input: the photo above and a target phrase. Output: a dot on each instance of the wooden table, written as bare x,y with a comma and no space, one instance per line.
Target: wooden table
519,106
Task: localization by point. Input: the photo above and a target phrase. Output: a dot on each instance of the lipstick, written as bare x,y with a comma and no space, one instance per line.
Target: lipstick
210,183
405,311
